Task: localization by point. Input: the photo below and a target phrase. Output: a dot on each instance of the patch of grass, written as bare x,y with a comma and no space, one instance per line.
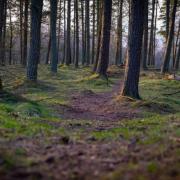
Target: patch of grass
155,90
31,110
149,130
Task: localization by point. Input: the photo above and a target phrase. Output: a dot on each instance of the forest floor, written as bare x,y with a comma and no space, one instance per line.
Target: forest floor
75,126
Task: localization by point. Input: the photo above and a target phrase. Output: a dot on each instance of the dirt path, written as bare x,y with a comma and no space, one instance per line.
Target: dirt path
88,105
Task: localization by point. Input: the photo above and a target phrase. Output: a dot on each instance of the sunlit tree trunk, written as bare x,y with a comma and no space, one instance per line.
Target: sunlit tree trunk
106,31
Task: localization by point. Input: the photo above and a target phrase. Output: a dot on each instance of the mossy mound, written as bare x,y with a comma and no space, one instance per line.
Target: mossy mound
29,110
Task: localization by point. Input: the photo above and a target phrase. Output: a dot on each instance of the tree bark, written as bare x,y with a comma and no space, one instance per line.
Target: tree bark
118,59
99,32
77,34
177,58
25,32
167,18
145,36
131,82
150,52
93,33
34,51
106,31
87,26
83,33
165,67
68,37
54,52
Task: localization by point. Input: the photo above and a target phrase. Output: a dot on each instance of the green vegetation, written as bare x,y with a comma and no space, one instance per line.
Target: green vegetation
29,112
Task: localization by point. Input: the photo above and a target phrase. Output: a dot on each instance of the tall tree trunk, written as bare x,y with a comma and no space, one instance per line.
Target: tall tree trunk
25,32
132,71
106,31
176,45
83,34
99,32
59,26
150,53
77,34
74,35
165,67
118,59
2,7
154,35
2,3
54,53
48,50
3,53
145,36
87,25
11,35
167,18
177,58
21,30
34,51
64,47
93,32
68,37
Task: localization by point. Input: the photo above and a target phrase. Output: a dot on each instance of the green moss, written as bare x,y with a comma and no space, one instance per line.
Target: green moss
149,130
152,167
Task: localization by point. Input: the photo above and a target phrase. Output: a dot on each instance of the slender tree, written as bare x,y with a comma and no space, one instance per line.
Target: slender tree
83,33
150,51
167,18
59,25
145,36
54,53
165,66
87,26
24,61
68,36
177,58
93,32
118,59
99,32
21,29
11,34
106,29
77,34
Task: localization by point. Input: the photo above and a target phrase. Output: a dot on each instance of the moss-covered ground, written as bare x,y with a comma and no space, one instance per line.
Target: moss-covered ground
38,140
